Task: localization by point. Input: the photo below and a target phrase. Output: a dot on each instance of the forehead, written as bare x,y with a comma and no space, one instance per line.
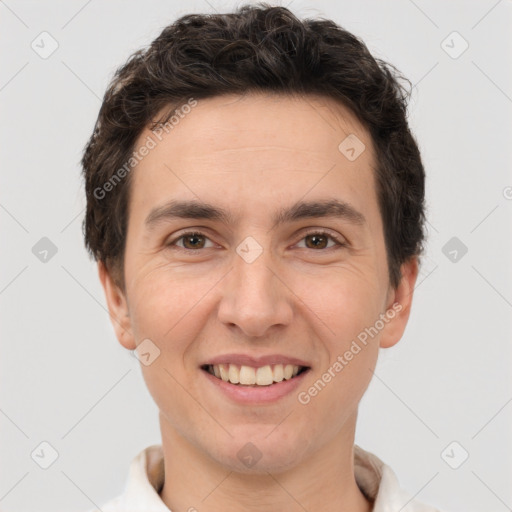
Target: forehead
229,122
252,150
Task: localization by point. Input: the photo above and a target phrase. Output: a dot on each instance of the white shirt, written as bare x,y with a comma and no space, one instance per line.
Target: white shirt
146,479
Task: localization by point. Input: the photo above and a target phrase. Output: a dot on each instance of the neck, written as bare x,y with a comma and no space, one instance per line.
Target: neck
325,481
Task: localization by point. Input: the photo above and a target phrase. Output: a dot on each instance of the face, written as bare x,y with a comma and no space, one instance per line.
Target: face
293,273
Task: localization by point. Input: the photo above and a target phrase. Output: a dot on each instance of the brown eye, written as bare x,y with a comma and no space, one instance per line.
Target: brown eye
318,241
195,240
190,241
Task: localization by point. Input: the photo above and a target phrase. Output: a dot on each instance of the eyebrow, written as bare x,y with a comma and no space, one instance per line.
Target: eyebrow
301,210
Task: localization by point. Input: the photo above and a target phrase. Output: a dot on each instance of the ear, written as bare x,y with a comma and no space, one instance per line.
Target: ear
118,308
400,302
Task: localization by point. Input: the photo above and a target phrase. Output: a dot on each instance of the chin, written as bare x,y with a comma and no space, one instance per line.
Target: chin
261,454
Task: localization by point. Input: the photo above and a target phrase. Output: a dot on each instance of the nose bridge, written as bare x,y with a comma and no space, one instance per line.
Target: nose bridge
254,298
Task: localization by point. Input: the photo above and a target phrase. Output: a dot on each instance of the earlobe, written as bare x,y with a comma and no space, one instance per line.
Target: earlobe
400,304
118,308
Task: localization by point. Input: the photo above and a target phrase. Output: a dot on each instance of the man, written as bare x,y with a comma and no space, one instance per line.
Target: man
255,204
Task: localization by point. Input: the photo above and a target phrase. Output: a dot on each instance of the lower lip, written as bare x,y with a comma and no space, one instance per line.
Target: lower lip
257,394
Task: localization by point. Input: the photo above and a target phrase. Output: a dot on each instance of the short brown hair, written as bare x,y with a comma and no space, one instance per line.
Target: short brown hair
258,48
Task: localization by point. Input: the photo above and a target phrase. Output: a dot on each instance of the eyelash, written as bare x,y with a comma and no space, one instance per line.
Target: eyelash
321,232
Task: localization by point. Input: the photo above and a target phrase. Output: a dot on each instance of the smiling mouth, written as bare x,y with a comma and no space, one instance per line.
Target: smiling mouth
249,376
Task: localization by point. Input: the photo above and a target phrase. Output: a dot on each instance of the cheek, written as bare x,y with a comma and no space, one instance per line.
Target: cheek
165,311
344,311
162,303
337,389
345,301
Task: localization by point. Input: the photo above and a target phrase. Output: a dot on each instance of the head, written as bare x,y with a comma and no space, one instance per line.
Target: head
250,114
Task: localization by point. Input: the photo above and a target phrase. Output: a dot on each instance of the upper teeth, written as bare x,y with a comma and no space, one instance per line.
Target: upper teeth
247,375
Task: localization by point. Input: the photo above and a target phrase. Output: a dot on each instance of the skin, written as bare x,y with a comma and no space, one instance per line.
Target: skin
253,155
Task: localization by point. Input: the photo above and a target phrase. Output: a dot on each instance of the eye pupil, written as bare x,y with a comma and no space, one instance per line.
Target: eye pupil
316,237
193,236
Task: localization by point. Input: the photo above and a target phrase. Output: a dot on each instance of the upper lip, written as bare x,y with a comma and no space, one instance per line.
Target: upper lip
255,362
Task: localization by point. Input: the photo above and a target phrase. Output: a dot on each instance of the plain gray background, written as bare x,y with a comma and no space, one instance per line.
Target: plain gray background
66,381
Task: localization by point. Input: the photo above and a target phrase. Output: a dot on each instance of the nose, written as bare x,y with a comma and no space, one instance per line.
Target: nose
255,297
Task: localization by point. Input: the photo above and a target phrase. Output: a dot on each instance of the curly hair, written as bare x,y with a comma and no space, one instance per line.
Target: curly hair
263,49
